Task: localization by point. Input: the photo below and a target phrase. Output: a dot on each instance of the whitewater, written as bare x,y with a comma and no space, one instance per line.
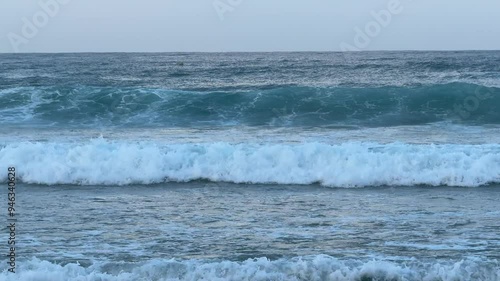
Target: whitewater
253,166
102,162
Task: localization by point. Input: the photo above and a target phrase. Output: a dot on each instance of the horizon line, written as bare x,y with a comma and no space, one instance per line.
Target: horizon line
219,52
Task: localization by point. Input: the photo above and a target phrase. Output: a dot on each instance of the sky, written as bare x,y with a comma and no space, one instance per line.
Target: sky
247,25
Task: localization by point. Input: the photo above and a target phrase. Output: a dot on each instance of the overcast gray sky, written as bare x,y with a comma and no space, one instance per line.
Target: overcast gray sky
247,25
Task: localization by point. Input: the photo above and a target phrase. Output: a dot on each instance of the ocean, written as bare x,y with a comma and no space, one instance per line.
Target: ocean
251,166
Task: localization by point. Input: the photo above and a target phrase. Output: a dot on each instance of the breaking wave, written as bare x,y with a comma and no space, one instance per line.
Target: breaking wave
104,162
281,106
312,268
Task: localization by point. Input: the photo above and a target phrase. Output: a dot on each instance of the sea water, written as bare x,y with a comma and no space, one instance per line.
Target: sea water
252,166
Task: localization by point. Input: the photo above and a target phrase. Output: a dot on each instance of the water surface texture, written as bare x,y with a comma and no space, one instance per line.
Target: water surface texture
261,166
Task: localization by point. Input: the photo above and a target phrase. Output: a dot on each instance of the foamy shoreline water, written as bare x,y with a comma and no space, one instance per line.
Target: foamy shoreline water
221,231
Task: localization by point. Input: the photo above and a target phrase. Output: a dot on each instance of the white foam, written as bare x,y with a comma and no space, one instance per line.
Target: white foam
312,268
104,162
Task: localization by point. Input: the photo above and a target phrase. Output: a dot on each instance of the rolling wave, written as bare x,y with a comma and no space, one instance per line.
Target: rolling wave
281,106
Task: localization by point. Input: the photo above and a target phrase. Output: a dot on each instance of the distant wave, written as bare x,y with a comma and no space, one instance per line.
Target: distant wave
281,106
314,268
103,162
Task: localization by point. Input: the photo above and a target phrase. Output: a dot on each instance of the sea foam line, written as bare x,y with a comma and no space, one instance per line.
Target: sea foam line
320,267
105,162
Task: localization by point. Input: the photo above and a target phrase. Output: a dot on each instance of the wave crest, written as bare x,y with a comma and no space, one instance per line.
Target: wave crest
282,106
103,162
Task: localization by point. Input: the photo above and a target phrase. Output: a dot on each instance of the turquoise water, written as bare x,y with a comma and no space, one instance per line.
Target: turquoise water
253,166
212,90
